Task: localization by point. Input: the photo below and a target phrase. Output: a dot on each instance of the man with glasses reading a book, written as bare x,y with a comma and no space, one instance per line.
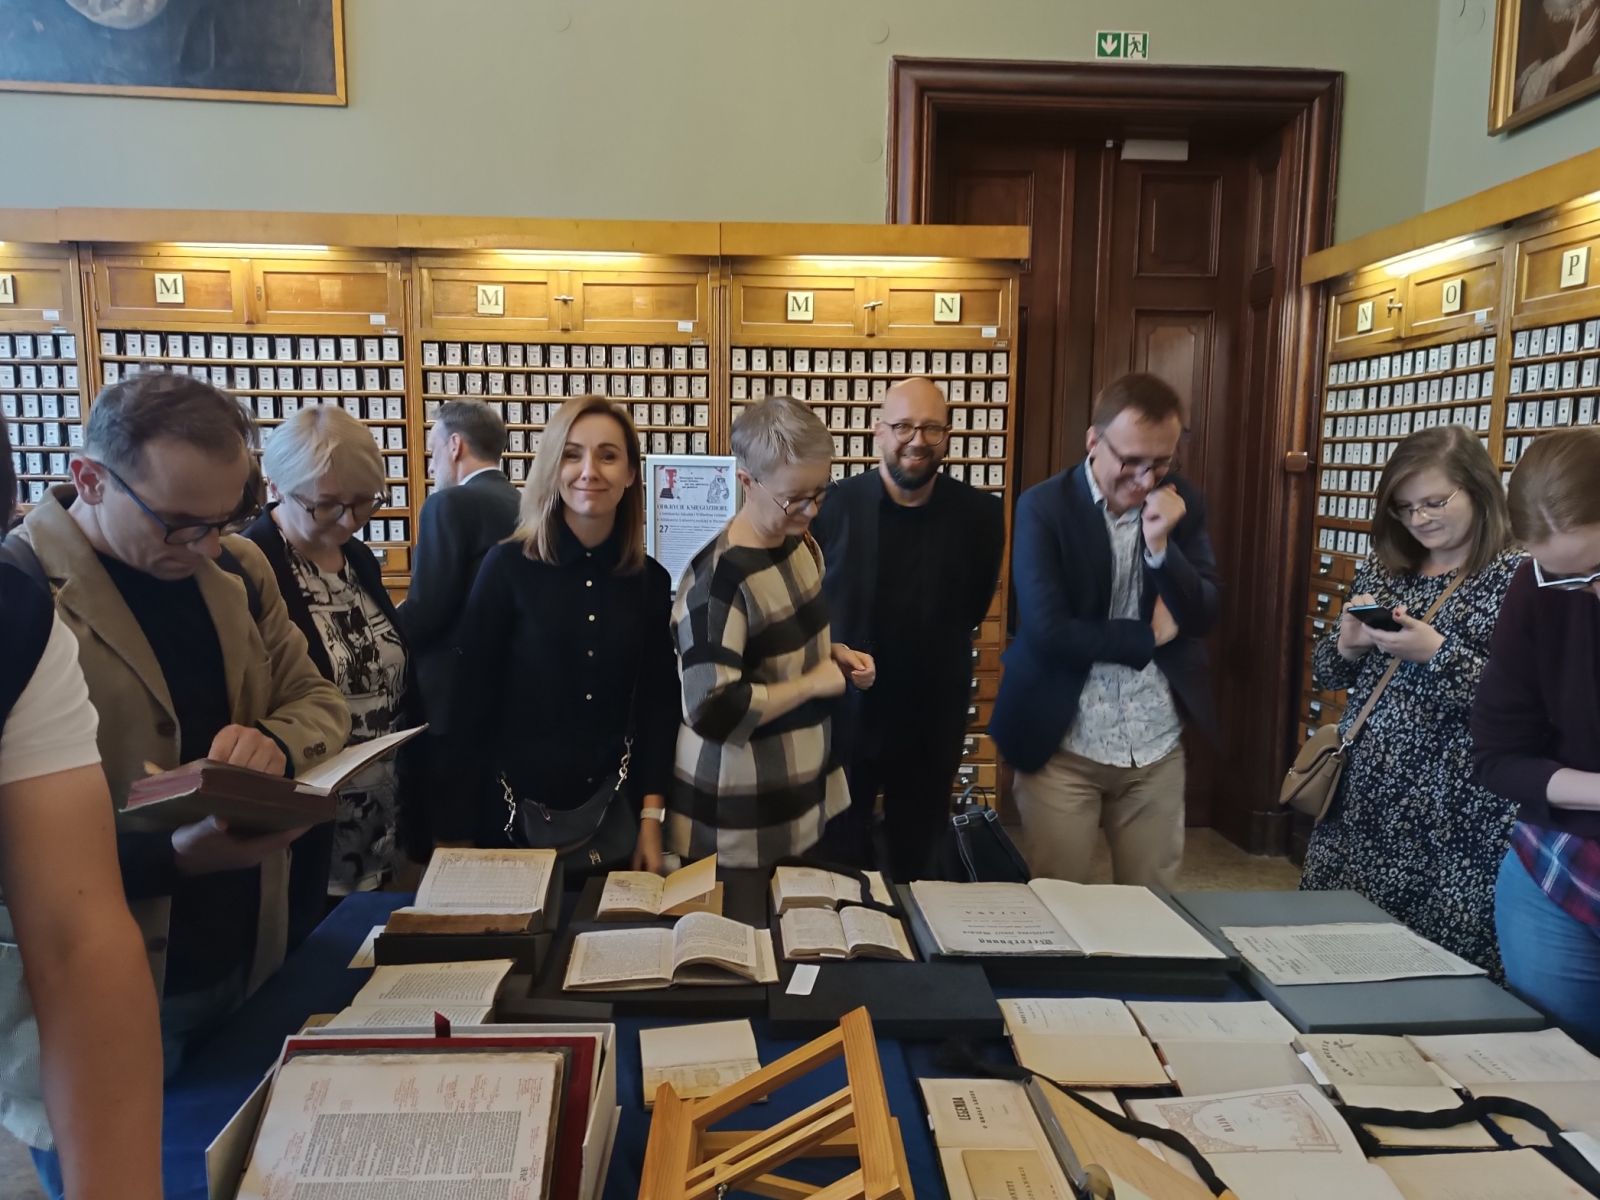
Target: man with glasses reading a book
189,653
1116,587
913,561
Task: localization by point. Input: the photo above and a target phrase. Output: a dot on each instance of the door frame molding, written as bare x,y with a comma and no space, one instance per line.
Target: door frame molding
1305,106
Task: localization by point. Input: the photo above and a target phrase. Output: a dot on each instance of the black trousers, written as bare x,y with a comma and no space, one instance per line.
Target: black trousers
912,761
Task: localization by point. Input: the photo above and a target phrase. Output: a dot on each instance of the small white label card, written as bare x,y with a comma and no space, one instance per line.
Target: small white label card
1451,295
8,289
491,299
169,287
946,307
1575,267
800,306
1364,316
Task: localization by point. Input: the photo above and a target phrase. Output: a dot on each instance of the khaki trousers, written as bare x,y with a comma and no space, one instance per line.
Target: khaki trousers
1066,802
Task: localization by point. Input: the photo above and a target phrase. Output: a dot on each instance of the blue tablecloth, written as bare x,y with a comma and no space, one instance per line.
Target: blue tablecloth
223,1071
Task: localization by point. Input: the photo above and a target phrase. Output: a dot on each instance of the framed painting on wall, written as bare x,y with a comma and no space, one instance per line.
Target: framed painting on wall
274,51
1546,55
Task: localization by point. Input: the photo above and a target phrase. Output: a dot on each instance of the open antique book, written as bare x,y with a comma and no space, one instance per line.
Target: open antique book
634,894
479,891
1050,916
700,949
813,887
852,932
253,802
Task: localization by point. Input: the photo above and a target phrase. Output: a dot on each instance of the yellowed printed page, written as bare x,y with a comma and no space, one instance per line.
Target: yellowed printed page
463,880
1547,1056
1202,1021
990,918
404,1017
1011,1175
812,933
1089,1042
605,959
698,1060
1211,1068
867,927
689,884
1503,1174
1122,920
1357,952
456,983
337,1124
630,894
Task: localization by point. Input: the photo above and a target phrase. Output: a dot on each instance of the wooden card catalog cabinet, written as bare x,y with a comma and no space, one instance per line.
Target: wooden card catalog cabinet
326,293
1559,272
641,304
799,308
43,379
175,289
941,310
1457,295
1367,315
483,300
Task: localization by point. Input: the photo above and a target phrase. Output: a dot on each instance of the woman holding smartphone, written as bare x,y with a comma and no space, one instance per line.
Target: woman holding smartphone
1409,829
1536,734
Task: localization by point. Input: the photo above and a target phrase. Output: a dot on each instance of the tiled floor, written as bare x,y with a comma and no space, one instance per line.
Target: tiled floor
1210,861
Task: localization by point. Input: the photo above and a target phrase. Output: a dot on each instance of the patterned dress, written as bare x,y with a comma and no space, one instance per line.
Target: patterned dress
369,667
745,788
1409,829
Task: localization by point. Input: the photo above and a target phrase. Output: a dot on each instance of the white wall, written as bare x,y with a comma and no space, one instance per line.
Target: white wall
1462,157
676,109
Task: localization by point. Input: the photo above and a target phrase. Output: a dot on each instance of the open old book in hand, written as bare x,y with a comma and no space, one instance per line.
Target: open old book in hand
1051,916
852,932
634,894
254,802
700,949
479,891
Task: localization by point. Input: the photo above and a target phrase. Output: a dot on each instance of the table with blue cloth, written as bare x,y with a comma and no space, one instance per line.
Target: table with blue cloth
221,1072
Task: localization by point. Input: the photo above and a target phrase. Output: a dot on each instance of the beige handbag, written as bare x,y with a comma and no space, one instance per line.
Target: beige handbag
1313,780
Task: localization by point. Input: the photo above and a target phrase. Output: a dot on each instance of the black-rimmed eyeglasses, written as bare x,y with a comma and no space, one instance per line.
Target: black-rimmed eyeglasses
795,503
188,533
330,512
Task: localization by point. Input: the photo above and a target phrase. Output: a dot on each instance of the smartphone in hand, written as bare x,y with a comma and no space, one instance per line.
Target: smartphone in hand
1374,616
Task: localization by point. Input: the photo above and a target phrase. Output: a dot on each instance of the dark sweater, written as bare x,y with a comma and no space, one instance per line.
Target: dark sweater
1538,703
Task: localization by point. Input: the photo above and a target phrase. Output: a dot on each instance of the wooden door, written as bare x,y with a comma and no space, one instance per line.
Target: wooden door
1177,269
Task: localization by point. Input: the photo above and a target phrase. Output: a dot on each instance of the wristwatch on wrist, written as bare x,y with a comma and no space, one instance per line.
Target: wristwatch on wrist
658,815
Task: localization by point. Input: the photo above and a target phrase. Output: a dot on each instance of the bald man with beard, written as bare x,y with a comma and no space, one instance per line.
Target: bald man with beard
913,559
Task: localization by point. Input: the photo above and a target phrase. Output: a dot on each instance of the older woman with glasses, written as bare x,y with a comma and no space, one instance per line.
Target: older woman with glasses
1409,829
757,777
1536,734
324,481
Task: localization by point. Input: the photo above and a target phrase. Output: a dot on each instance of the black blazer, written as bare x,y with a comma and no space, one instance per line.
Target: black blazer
311,860
1062,573
964,573
457,528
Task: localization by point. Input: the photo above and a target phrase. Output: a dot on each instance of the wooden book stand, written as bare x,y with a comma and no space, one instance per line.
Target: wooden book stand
685,1160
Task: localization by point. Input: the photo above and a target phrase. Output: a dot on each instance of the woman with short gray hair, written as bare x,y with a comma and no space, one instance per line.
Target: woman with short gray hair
325,479
756,777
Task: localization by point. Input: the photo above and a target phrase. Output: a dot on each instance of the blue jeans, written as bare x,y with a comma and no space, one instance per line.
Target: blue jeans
1552,960
48,1164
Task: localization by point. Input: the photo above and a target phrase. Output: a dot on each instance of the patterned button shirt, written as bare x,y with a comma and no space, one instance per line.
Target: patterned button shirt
1126,718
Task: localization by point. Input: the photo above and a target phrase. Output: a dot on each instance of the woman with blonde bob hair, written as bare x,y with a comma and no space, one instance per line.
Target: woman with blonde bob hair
325,479
1409,829
1536,734
567,670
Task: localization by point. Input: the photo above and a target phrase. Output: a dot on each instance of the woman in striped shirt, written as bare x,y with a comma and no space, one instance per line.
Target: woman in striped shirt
756,777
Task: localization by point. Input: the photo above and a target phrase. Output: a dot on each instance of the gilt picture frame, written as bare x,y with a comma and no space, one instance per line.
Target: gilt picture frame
263,51
1546,56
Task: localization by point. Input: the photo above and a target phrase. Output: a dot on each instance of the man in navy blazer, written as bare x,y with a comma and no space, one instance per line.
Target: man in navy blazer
473,509
1116,588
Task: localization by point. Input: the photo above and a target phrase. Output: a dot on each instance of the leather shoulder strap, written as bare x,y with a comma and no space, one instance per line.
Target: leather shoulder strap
1383,681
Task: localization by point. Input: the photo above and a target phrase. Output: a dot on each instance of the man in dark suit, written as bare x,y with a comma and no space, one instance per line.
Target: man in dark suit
913,559
473,507
1116,587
